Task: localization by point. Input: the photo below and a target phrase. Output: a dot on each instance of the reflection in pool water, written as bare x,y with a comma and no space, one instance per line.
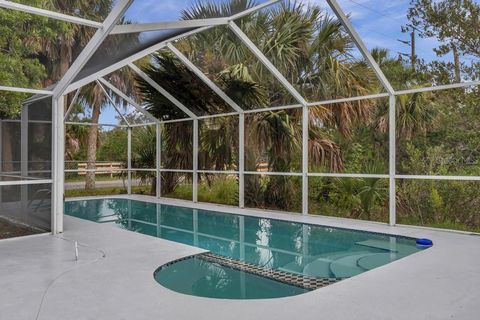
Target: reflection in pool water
308,250
199,277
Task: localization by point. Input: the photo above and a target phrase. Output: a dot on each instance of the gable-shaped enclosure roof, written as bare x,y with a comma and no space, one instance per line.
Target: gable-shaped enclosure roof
117,44
101,56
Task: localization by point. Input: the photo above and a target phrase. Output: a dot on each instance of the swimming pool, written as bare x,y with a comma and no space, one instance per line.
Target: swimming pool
249,257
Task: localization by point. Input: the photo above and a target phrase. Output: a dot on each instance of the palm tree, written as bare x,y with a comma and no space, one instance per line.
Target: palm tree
144,155
414,112
177,136
218,138
93,96
58,53
309,48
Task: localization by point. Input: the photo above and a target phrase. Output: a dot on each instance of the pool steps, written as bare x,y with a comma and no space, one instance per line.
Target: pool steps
340,265
295,279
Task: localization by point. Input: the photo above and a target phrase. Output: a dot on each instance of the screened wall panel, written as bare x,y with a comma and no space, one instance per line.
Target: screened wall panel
27,204
86,10
40,149
40,109
170,73
177,185
177,145
32,56
136,13
144,147
144,182
218,188
282,193
104,175
11,149
350,137
230,64
111,114
438,133
439,204
111,145
26,148
312,50
99,190
273,141
218,143
365,198
39,141
155,102
118,47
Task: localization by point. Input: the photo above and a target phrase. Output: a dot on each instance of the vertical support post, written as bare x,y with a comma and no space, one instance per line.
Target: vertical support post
305,119
24,142
159,160
58,164
129,160
195,160
1,145
24,160
392,160
241,160
1,160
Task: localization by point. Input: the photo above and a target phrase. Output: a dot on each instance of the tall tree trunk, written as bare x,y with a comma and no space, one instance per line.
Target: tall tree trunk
92,148
456,62
7,152
153,186
65,58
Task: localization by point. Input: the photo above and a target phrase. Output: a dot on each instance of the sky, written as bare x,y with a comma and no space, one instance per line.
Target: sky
378,22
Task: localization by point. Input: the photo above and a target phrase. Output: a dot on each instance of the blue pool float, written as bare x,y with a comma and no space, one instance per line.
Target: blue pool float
424,243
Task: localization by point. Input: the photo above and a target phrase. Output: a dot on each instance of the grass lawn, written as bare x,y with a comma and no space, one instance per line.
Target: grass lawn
104,192
78,178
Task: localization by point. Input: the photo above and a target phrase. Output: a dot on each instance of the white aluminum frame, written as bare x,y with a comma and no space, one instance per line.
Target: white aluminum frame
360,45
392,161
58,163
129,160
162,91
49,14
112,19
169,25
109,26
113,103
159,160
72,103
26,90
195,161
199,73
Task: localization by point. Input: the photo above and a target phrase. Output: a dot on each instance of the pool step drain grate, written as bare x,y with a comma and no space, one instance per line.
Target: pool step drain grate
298,280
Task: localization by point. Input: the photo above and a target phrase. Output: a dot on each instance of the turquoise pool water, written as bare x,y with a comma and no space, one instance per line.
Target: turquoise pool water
289,248
198,277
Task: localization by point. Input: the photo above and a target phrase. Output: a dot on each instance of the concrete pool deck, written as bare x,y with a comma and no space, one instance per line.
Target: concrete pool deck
442,282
